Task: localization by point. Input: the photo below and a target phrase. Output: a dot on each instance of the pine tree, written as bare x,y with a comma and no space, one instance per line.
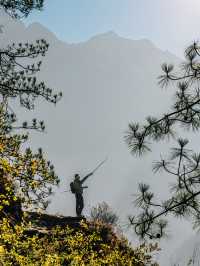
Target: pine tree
183,164
26,178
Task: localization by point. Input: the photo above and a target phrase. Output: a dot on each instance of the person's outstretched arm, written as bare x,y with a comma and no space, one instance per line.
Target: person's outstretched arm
86,177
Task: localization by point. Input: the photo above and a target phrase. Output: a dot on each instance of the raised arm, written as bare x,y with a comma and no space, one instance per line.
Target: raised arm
86,177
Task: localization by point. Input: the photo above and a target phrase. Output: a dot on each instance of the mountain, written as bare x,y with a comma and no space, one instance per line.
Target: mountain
107,82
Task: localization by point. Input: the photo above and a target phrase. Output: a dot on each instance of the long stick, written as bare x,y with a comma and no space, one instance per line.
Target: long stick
95,169
99,165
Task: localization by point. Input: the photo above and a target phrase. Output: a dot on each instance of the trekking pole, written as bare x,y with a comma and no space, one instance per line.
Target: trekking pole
95,169
99,165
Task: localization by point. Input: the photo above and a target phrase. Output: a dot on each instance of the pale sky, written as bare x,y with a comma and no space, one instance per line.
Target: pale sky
171,24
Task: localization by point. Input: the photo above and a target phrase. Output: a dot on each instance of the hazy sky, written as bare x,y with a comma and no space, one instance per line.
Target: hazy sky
169,24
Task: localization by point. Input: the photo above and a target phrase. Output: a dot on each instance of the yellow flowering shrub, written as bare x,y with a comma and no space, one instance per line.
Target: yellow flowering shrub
85,245
26,178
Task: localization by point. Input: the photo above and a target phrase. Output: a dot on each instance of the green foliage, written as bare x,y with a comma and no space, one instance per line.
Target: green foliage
29,175
25,175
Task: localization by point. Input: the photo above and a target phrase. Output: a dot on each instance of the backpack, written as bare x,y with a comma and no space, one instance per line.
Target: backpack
72,187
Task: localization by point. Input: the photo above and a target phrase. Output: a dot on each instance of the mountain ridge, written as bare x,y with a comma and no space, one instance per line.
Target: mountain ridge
37,28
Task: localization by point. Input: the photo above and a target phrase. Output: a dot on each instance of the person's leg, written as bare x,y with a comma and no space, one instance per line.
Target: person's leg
79,204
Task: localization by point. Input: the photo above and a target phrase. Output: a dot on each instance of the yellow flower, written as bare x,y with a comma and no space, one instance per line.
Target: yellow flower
14,198
5,165
2,250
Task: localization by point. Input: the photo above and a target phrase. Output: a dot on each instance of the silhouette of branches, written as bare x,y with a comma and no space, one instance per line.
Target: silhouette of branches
18,79
184,197
183,164
185,110
29,173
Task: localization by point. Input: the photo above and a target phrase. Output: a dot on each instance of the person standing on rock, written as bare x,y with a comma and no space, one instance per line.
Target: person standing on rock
77,187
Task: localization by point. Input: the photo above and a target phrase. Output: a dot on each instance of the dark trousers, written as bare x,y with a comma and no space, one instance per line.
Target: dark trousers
79,203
